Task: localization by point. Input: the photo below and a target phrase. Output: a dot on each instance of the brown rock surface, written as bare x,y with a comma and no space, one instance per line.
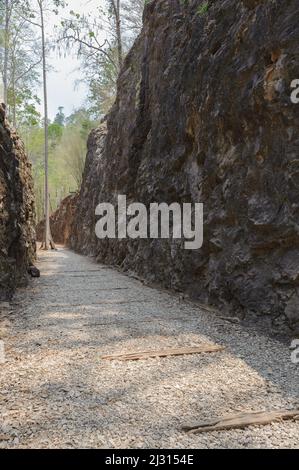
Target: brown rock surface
17,215
61,221
203,114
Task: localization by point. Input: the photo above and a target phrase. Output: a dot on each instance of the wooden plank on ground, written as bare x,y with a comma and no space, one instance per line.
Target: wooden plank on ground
242,420
204,348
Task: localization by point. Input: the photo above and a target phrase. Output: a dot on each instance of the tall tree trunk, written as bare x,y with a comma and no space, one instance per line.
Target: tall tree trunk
117,15
119,38
14,101
48,241
6,45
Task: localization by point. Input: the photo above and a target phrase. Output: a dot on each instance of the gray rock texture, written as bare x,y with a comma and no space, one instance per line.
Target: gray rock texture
17,214
203,114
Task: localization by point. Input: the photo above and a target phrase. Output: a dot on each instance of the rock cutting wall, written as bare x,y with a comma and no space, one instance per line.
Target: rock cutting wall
203,114
17,212
61,221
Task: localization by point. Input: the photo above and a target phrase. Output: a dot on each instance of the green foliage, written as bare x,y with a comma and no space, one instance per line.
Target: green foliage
66,158
28,116
100,57
55,133
19,60
102,85
203,8
60,117
96,38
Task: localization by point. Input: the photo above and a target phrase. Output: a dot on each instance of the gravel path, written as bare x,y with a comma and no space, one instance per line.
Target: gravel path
55,391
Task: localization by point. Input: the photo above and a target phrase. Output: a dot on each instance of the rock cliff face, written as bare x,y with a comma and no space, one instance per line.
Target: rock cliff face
203,114
61,222
17,215
83,237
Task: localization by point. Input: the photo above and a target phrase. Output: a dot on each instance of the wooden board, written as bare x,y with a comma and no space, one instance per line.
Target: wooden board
242,420
204,348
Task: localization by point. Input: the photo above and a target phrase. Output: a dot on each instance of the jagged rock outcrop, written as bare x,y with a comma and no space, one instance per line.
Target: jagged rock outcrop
203,114
61,221
17,215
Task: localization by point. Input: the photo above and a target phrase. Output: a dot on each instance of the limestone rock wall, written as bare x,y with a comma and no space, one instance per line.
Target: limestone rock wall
203,114
61,221
17,211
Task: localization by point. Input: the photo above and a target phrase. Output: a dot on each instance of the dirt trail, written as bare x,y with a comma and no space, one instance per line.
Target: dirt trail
56,391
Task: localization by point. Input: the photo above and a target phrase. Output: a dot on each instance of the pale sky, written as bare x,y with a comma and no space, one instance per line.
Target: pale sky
61,80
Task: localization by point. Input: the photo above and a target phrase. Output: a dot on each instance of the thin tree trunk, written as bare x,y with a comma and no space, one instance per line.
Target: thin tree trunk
6,45
14,101
119,38
116,8
48,241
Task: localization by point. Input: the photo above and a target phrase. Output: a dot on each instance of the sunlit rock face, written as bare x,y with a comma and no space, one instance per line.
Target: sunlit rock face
17,212
203,114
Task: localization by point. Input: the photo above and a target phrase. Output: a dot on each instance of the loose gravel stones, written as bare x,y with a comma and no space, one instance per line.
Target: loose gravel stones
57,392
